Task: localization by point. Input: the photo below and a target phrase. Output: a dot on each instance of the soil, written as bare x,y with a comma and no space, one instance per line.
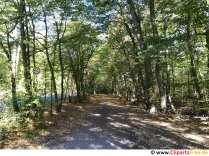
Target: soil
105,122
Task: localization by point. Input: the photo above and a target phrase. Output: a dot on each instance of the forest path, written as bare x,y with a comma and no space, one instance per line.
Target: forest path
114,125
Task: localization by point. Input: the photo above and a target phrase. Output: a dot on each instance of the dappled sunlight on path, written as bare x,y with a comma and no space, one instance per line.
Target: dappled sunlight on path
114,125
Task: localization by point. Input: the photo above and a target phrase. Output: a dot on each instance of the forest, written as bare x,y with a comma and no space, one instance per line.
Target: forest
118,65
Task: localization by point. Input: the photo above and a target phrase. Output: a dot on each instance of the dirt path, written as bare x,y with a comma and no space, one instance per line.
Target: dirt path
112,125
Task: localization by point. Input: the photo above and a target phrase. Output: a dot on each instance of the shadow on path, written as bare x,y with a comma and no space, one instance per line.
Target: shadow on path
113,126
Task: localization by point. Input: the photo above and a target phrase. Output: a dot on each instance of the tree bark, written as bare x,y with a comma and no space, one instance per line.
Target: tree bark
158,68
49,61
33,49
137,66
207,42
168,84
14,94
147,63
192,61
78,86
59,104
25,49
12,75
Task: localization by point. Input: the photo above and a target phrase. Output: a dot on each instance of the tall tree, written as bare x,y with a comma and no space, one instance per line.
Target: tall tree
25,49
137,28
158,68
80,44
60,36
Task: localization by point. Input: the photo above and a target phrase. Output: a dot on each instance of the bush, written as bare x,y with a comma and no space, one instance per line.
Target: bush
33,108
30,112
9,121
3,133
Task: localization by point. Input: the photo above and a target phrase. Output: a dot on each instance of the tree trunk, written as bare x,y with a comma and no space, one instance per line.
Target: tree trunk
83,89
78,89
168,87
49,61
147,63
59,104
207,46
192,61
158,68
34,49
173,82
137,67
168,84
14,93
12,73
207,42
25,49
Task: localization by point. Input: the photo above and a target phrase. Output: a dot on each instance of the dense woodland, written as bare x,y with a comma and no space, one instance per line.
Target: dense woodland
153,53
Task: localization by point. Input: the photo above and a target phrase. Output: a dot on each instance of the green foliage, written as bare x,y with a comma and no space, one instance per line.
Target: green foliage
9,121
3,134
115,64
3,71
79,46
32,109
31,134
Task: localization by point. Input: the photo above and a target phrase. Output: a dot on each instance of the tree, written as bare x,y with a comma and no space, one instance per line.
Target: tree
25,47
9,46
80,43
